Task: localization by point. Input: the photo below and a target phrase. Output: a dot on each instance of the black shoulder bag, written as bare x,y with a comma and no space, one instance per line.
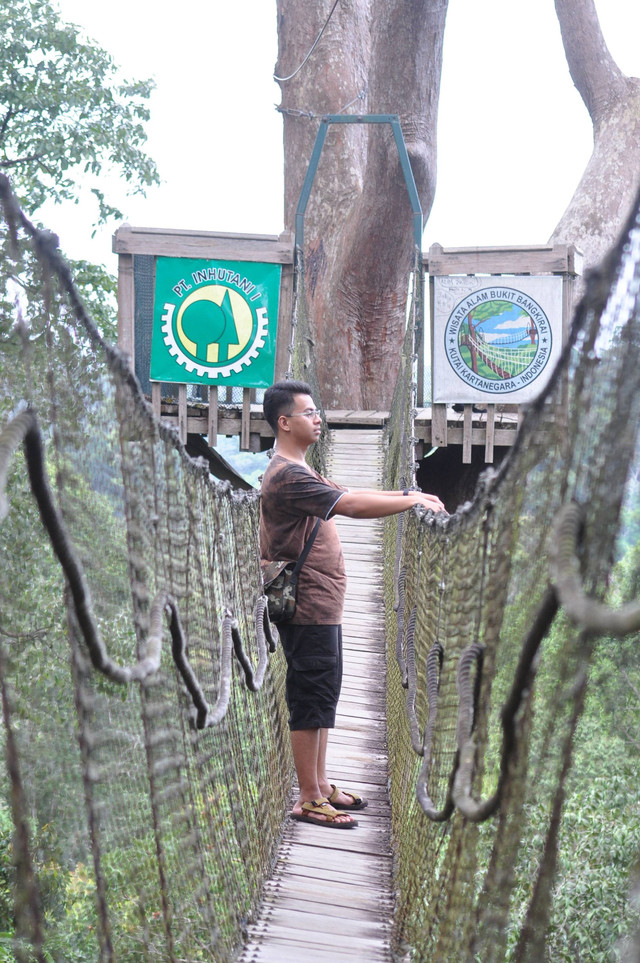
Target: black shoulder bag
280,580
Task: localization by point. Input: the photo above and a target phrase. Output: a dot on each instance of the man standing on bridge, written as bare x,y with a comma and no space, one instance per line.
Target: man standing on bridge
293,496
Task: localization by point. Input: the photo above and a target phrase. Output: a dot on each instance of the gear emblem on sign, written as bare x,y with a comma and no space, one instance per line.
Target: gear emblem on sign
214,332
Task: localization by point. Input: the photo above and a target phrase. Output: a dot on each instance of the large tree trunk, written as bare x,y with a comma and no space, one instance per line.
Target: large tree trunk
387,55
358,225
609,184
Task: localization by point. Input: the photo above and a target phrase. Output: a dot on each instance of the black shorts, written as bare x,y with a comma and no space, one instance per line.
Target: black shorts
314,673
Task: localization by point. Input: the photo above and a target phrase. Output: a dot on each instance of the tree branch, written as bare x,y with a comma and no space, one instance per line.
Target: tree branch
609,184
6,164
594,72
5,123
631,685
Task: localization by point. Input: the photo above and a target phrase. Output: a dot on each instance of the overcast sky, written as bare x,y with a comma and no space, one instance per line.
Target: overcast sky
514,135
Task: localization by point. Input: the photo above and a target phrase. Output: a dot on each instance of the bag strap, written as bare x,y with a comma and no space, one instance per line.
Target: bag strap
306,549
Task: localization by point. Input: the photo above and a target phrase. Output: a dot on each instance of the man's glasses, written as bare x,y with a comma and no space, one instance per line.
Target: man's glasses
308,413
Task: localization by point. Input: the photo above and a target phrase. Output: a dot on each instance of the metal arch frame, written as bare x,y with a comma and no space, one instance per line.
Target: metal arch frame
405,164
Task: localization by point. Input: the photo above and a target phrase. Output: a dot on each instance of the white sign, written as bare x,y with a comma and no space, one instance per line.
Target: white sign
495,338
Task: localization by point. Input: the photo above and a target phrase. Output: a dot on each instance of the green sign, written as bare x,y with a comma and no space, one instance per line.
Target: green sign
215,322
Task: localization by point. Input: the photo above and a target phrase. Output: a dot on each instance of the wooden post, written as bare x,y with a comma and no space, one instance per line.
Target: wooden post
212,429
439,426
285,312
490,435
126,308
246,420
182,413
466,434
156,398
420,338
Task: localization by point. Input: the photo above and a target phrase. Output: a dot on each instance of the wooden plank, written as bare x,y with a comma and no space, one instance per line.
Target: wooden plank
309,858
360,535
270,248
359,436
302,906
229,421
345,416
355,555
348,776
304,947
311,863
535,259
290,952
316,889
359,926
502,436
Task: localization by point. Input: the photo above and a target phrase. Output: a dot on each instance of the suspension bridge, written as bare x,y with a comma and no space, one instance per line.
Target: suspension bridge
503,361
336,895
147,769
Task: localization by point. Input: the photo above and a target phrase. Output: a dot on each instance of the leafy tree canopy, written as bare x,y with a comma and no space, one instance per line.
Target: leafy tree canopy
65,112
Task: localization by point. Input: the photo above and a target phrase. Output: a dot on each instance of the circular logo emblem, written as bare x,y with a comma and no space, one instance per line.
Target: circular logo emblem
215,331
498,339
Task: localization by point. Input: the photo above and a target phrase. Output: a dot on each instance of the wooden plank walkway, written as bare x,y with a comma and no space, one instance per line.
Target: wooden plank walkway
330,896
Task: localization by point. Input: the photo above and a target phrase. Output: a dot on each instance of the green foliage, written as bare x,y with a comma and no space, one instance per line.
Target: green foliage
251,465
598,847
6,890
98,290
599,837
67,120
493,309
65,113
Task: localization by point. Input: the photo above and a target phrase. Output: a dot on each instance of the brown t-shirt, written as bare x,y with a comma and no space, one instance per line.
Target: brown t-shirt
292,497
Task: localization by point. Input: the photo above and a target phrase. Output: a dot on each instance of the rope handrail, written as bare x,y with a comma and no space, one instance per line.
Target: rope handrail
564,567
24,429
140,548
508,570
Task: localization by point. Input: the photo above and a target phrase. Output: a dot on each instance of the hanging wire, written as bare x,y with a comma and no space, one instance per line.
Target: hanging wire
315,44
363,93
295,112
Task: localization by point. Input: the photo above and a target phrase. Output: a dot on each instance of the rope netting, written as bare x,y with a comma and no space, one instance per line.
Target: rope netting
492,617
147,761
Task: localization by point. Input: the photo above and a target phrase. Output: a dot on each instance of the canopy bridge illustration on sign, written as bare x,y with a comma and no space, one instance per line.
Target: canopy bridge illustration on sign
147,770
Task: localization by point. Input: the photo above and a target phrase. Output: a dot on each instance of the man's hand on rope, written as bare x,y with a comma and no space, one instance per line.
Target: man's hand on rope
432,502
369,503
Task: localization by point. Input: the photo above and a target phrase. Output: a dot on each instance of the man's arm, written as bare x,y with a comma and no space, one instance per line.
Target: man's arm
374,504
376,491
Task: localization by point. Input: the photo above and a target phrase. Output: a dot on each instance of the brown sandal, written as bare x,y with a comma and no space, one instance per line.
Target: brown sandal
358,801
324,808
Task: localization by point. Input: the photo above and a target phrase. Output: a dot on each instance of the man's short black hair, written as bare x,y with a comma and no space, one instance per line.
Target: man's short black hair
278,400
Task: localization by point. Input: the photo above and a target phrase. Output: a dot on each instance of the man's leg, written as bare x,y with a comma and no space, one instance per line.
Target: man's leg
312,694
321,770
309,750
304,743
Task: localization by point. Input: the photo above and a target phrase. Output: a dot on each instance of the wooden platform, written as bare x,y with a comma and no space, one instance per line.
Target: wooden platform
330,897
438,425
